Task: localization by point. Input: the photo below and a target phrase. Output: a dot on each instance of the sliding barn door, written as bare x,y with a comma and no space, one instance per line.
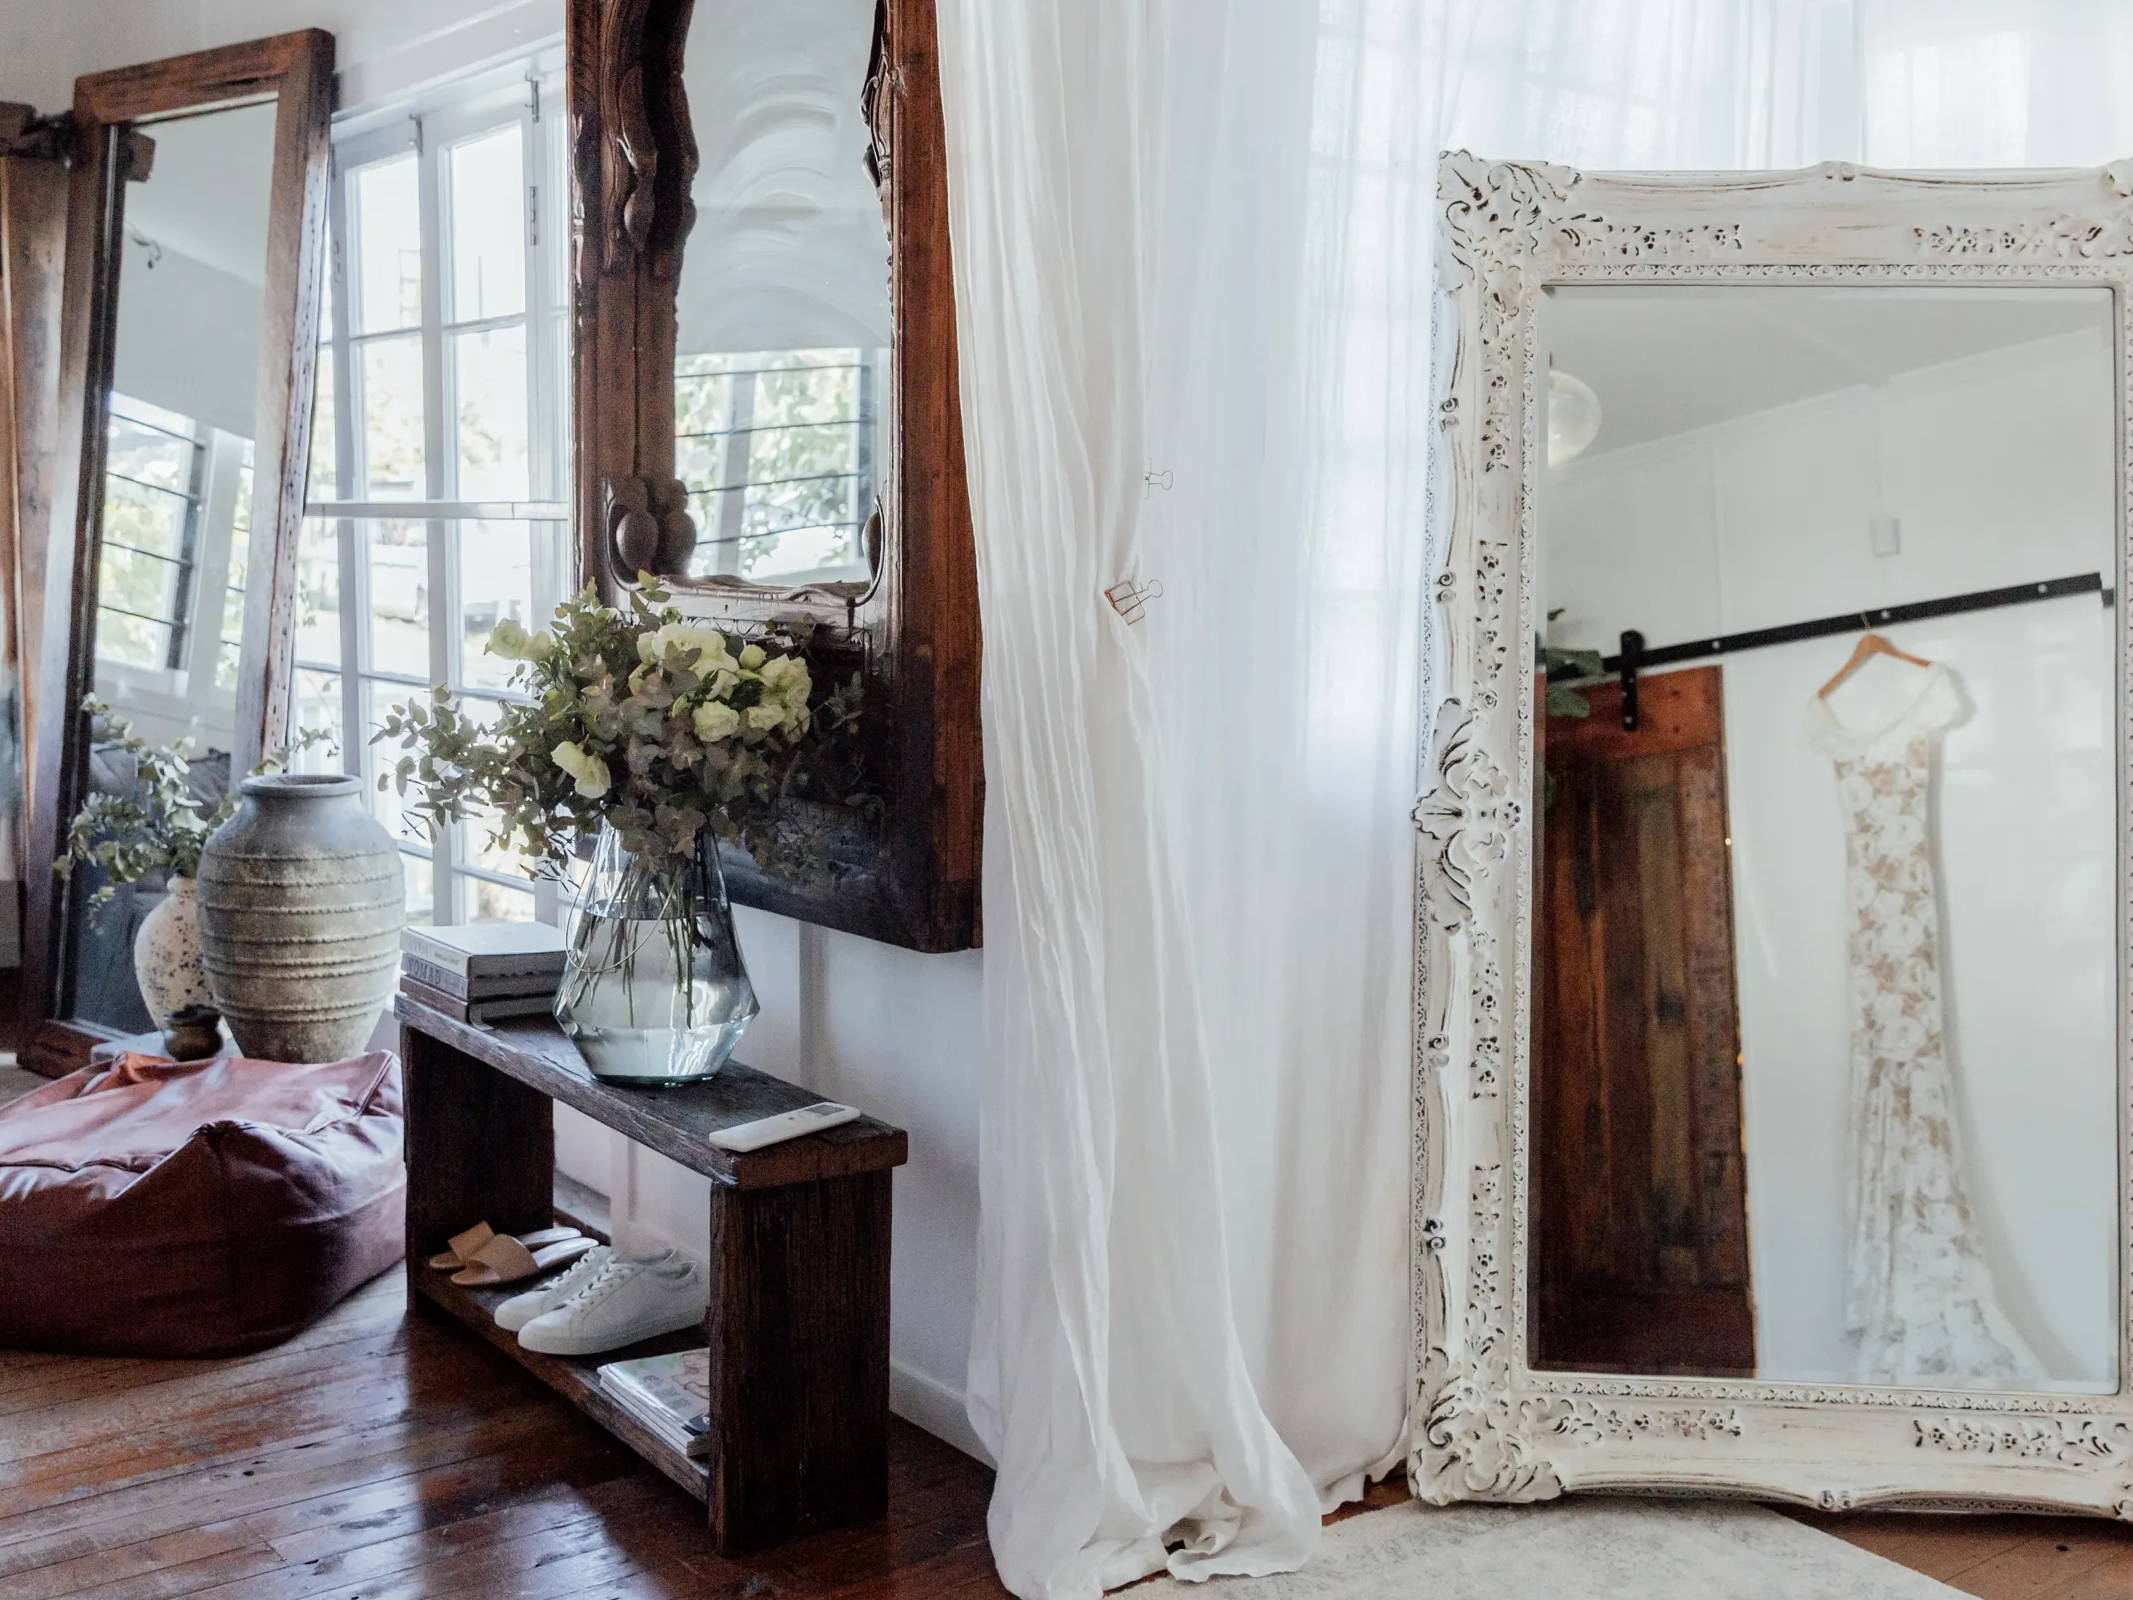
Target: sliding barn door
1640,1220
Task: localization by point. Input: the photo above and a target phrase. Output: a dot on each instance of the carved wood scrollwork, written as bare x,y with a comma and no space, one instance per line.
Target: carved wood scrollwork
644,155
648,524
874,106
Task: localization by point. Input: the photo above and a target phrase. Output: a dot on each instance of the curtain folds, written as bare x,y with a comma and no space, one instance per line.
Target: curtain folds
1193,275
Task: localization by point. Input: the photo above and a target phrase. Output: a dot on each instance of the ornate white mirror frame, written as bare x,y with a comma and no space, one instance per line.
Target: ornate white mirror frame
1485,1424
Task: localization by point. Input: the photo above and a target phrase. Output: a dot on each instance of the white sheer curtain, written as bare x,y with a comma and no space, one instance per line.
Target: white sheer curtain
1193,273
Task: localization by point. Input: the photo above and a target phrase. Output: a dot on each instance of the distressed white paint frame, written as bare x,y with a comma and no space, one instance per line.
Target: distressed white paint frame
1484,1424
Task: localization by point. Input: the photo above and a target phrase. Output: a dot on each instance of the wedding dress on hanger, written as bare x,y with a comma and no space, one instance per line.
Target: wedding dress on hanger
1920,1303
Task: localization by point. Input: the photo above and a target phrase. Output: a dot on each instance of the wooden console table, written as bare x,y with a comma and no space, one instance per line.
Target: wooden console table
798,1326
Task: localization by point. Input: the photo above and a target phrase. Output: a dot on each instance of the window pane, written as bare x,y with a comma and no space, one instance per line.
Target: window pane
505,571
487,187
387,202
145,519
776,450
147,455
318,592
229,657
390,401
326,279
477,842
147,586
386,801
131,641
325,467
318,706
496,902
489,393
397,555
421,896
229,648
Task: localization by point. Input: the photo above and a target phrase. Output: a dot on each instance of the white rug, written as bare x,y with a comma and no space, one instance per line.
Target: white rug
1592,1548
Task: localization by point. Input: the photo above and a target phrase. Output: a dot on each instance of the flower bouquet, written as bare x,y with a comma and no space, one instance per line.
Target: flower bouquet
658,738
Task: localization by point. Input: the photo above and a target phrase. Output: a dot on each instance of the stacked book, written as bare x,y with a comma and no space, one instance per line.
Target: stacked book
671,1395
483,971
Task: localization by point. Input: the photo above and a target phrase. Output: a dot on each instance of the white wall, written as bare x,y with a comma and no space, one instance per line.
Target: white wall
891,1031
1999,468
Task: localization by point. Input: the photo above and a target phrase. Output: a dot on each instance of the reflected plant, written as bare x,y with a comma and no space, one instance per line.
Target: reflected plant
159,827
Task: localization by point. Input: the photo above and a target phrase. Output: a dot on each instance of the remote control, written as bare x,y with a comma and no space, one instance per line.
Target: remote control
786,1125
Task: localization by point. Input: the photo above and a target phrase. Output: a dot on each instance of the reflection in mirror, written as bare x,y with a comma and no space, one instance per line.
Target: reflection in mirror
782,373
1824,1052
175,549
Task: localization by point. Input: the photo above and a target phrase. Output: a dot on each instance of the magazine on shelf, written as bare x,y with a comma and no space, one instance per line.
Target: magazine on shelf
670,1394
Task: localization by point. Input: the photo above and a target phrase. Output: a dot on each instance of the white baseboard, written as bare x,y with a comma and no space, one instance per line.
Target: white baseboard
930,1404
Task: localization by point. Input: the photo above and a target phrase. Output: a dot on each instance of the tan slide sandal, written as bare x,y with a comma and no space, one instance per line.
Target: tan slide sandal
463,1247
507,1260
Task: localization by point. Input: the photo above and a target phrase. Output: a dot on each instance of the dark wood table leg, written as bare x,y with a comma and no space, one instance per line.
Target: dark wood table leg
480,1148
799,1337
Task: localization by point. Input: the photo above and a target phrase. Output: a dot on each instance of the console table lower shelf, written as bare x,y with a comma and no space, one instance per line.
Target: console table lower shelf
798,1324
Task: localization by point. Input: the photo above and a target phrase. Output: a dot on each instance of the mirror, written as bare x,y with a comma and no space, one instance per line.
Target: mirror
186,358
1825,966
1771,1098
765,413
782,364
167,636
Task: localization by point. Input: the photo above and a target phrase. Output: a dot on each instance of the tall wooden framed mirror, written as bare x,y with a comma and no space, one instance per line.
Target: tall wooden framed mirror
766,403
188,340
1771,1065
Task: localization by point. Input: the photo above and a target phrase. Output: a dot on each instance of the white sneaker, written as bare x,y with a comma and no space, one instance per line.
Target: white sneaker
626,1298
521,1309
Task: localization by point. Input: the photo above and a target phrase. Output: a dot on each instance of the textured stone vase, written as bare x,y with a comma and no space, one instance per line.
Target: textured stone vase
166,952
301,901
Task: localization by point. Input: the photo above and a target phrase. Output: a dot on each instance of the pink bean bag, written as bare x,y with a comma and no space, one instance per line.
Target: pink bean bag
152,1208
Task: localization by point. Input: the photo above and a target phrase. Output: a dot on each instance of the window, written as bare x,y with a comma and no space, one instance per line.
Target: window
438,467
155,476
776,450
176,535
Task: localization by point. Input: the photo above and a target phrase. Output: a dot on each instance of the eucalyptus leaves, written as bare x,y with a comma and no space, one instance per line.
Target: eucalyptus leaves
664,729
159,824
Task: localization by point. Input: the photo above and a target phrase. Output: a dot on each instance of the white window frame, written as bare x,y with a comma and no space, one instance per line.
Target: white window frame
530,94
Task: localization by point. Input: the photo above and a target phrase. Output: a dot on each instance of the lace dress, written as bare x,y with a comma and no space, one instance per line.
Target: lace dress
1920,1305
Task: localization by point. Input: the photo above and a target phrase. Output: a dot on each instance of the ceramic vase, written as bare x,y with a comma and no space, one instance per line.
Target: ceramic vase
654,992
166,952
302,897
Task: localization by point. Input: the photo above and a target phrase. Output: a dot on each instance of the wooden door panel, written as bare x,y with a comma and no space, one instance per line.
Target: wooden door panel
1639,1187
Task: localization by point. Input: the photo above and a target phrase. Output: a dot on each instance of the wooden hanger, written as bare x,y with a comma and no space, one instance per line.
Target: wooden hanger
1870,644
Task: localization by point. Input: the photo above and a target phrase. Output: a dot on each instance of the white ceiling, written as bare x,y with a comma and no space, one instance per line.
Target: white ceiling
207,194
1664,359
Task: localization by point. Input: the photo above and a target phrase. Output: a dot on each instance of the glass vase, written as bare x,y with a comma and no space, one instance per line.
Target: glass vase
654,991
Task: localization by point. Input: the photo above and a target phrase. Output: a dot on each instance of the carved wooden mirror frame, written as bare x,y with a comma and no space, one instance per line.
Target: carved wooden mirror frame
1485,1425
293,71
909,876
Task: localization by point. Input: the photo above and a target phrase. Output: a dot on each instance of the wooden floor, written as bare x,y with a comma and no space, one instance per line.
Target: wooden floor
386,1457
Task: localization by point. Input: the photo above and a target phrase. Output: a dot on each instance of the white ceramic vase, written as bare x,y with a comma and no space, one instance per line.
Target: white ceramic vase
166,952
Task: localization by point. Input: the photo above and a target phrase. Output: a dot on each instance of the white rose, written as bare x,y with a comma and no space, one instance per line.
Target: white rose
752,657
715,720
765,716
786,678
514,643
587,771
709,644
